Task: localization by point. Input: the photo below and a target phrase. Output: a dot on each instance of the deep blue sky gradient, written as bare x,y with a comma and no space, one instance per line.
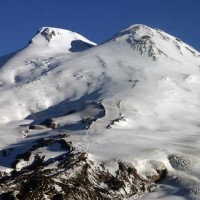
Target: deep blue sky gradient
97,20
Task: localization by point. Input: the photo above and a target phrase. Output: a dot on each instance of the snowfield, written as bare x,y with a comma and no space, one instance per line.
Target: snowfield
134,98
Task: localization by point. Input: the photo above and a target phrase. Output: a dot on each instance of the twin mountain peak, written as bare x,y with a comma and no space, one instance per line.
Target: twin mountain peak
146,40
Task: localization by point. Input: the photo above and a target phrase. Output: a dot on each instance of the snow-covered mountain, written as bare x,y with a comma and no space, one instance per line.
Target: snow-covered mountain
130,107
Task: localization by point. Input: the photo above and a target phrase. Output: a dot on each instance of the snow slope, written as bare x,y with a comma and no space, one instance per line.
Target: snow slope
134,98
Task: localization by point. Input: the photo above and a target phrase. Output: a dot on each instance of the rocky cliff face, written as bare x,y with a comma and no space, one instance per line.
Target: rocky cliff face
71,175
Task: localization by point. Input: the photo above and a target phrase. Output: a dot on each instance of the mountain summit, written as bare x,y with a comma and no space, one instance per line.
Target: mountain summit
154,42
61,40
115,121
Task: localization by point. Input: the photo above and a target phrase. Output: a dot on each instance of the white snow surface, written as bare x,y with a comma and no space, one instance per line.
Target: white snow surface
146,80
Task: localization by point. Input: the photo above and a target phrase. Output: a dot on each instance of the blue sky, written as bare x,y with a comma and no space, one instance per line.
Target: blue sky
97,20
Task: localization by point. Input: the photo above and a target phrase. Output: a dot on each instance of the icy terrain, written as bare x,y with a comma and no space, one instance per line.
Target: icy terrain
134,98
